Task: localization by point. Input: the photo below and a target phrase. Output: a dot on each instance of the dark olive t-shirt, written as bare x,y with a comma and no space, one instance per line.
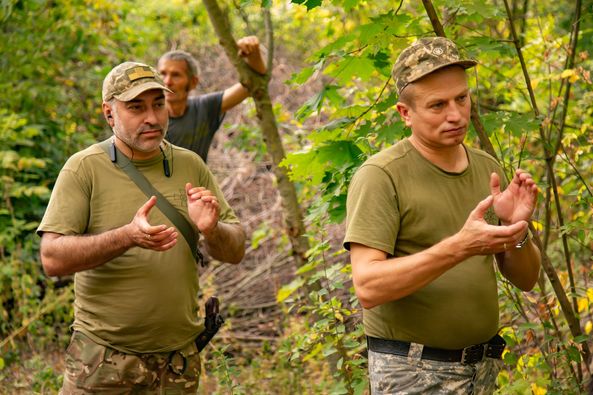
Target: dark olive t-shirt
195,129
143,300
400,203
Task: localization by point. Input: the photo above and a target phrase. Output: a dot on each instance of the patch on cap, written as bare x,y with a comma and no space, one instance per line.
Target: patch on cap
425,56
140,72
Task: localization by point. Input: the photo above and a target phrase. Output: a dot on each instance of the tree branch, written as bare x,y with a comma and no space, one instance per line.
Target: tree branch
574,38
269,40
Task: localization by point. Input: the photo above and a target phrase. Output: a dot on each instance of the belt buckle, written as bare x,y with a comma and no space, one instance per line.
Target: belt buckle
473,354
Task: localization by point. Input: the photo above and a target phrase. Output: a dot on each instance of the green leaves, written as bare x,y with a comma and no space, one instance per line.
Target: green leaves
486,48
315,103
289,289
513,123
475,11
311,166
352,67
308,3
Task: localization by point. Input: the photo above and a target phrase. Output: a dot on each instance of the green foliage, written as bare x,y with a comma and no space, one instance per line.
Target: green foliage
45,378
308,3
226,371
23,169
355,69
334,335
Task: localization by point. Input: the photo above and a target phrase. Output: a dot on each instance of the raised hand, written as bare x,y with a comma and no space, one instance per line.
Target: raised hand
153,237
249,49
517,202
203,208
478,237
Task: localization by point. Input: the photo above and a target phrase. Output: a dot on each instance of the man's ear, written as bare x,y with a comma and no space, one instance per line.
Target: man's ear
404,112
193,83
108,113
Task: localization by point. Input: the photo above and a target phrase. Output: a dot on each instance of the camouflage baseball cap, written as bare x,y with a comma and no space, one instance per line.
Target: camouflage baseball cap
425,56
129,79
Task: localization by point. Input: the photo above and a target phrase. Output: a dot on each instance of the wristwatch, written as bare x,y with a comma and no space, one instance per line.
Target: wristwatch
522,242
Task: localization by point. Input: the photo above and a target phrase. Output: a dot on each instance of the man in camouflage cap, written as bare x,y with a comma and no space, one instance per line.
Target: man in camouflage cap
424,57
136,281
127,80
426,218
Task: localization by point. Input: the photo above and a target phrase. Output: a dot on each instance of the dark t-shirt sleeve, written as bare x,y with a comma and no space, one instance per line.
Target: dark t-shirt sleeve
195,129
212,103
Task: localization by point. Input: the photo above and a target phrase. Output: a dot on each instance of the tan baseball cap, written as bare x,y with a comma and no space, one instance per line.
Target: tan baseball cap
425,56
129,79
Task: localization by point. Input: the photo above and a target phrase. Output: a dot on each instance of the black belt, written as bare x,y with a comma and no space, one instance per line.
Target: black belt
493,348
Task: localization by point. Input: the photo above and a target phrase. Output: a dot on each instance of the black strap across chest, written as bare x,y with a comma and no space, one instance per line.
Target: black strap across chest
180,222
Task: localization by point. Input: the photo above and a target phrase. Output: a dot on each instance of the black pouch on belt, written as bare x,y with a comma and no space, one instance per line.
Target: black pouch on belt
212,323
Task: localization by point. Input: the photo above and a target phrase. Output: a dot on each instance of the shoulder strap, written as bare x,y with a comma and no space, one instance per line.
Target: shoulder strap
162,203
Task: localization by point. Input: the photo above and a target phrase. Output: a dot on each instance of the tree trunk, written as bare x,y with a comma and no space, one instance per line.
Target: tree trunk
257,85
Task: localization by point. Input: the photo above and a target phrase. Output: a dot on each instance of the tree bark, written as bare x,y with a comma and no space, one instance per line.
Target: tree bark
257,85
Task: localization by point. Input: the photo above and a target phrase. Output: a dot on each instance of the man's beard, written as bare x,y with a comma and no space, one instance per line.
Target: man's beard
132,139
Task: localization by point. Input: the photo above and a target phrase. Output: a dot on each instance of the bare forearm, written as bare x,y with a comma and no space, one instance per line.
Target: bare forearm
380,281
226,242
521,266
233,96
63,255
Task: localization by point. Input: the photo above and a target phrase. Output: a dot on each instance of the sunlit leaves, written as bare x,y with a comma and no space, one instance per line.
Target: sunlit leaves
471,10
312,165
514,123
359,60
350,67
289,289
483,49
308,3
571,74
315,103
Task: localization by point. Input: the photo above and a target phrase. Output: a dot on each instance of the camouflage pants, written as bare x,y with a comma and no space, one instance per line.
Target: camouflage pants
95,369
394,374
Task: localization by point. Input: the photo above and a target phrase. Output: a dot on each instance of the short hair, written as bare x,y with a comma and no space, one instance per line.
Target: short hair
193,67
407,96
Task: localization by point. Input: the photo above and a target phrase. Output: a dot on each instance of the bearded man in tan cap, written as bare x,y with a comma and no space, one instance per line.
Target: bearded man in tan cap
426,218
136,281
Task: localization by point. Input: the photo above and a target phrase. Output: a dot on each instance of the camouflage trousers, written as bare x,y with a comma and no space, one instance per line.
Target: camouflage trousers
394,374
95,369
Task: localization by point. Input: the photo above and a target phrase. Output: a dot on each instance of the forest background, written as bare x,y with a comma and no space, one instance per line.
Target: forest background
293,323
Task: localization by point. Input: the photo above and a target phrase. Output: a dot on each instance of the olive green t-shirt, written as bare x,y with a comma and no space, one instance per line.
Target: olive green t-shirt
144,300
400,203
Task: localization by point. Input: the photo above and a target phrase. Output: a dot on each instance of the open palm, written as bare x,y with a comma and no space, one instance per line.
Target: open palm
518,200
202,207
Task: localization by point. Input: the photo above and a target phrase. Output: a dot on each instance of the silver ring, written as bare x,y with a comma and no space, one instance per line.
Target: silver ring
147,237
